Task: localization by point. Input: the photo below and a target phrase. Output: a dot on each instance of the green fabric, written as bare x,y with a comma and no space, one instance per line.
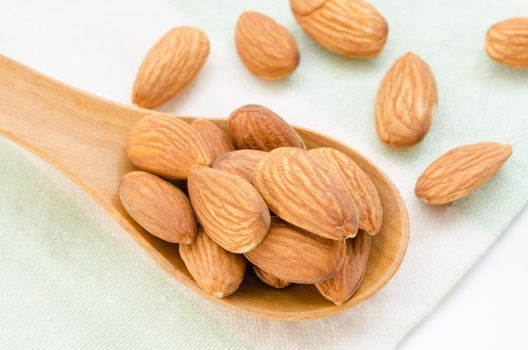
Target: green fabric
60,270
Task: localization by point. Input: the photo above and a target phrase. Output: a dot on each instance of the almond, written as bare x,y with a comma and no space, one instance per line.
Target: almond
157,206
242,163
359,186
507,42
170,66
269,279
217,271
292,254
406,102
257,127
460,171
267,48
217,141
306,193
344,284
166,146
230,210
350,28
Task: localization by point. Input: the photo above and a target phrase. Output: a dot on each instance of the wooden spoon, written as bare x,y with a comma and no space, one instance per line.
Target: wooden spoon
84,137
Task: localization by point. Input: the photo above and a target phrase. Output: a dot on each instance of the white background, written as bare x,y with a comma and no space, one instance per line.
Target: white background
483,311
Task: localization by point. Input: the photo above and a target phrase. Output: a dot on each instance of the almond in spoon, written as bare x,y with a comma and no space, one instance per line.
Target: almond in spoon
257,127
157,206
344,284
166,146
217,141
242,163
269,279
292,254
230,210
306,193
359,186
217,271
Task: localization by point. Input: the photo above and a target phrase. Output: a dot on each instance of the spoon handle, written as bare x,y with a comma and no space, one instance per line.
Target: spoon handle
83,136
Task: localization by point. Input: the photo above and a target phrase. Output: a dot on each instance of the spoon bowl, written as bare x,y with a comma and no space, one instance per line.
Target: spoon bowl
84,137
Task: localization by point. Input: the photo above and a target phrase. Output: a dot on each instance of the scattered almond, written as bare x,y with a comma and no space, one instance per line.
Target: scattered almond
267,48
166,146
230,210
292,254
217,141
257,127
170,66
406,102
344,284
507,42
217,271
269,279
306,193
350,28
359,186
242,163
460,171
157,206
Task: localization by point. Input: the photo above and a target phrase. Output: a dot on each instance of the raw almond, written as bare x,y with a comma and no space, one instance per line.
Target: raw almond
344,284
230,210
217,141
460,171
359,186
507,42
217,271
166,146
406,102
269,279
257,127
170,66
292,254
242,163
350,28
267,48
306,193
157,206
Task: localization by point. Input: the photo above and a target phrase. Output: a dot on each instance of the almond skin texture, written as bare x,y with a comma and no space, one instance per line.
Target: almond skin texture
460,171
157,206
230,210
269,279
351,28
267,48
292,254
406,101
217,271
242,163
217,141
507,42
170,66
306,193
344,284
166,146
359,186
257,127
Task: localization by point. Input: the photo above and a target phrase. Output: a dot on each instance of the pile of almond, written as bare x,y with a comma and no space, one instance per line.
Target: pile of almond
254,193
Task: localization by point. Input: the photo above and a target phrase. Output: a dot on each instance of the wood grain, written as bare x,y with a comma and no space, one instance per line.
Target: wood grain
84,137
